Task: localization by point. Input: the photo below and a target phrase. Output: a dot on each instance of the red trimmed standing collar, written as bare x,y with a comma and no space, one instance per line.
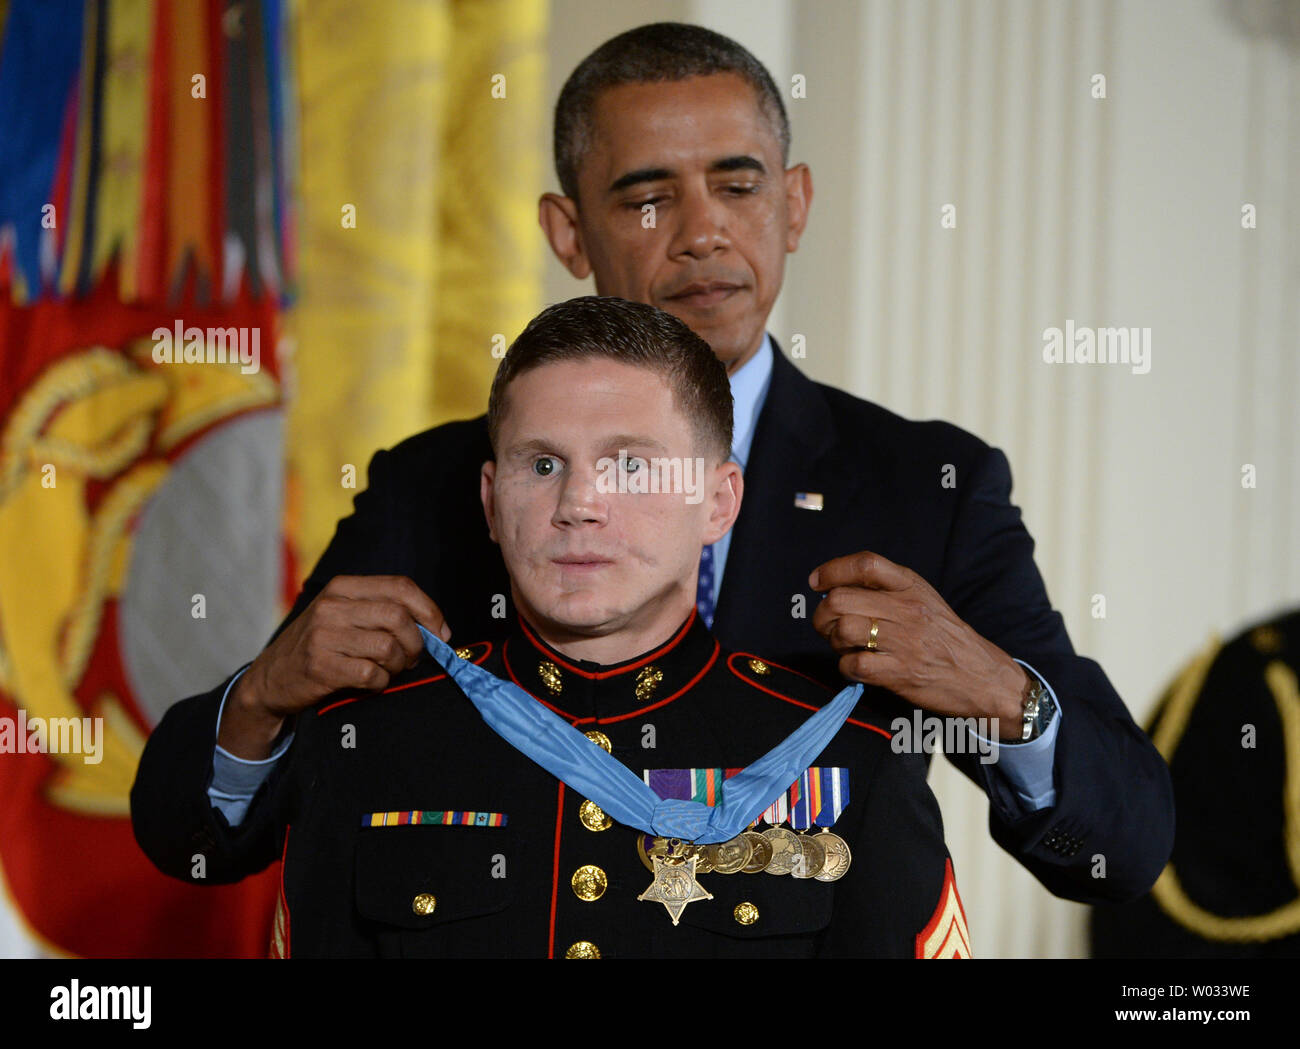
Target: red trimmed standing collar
594,693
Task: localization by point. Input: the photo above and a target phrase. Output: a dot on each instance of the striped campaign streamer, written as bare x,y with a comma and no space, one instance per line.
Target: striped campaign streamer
444,817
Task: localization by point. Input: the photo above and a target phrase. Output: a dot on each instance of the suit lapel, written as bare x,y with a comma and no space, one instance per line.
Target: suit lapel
793,442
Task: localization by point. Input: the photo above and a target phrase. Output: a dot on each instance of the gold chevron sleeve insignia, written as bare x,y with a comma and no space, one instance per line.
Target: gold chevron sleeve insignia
945,935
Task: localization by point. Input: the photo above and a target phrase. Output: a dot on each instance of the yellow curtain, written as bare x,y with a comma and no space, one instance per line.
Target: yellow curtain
423,137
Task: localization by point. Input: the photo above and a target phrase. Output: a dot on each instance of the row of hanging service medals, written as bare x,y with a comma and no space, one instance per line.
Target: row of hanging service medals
778,850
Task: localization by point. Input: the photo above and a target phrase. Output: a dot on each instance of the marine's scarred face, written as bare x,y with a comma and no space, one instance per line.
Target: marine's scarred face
683,203
602,567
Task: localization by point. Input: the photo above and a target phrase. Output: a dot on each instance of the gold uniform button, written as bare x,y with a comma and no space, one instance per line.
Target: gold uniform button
601,740
424,903
589,883
583,949
593,817
759,667
746,913
464,653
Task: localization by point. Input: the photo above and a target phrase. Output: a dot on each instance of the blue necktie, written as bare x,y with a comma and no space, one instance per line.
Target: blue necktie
704,593
568,755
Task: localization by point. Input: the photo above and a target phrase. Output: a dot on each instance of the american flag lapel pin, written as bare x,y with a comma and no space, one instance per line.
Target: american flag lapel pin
808,500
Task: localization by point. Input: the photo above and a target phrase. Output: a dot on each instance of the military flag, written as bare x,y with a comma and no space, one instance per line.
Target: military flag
146,251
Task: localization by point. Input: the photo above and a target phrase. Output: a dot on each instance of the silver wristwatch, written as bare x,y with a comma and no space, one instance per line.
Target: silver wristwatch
1037,708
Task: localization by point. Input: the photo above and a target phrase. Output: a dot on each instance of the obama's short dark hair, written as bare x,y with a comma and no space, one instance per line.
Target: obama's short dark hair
661,51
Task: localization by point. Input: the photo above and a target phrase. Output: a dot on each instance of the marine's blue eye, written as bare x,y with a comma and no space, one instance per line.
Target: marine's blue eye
544,466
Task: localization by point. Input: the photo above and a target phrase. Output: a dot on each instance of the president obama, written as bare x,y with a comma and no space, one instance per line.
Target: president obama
672,151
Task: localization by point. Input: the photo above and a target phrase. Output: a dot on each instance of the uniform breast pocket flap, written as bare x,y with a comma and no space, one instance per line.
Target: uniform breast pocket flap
421,877
754,906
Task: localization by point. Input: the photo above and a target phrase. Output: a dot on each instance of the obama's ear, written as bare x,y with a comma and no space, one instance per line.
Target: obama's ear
798,202
486,481
558,217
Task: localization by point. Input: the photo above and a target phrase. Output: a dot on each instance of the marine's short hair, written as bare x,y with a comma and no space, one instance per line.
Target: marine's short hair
660,51
633,333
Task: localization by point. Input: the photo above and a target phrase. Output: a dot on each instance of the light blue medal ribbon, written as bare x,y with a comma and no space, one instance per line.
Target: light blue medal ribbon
567,754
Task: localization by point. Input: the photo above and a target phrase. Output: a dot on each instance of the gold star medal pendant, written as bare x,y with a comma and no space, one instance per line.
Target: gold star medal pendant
674,882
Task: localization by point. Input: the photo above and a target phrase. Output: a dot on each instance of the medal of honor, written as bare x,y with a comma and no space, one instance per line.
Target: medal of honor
674,885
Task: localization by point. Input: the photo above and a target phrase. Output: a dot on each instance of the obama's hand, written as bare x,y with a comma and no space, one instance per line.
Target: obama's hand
356,634
922,650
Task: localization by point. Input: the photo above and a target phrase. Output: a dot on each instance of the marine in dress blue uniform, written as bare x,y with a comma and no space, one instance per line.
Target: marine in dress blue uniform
408,828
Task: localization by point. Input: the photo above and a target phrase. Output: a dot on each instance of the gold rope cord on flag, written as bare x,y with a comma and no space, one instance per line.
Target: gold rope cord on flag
1168,890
